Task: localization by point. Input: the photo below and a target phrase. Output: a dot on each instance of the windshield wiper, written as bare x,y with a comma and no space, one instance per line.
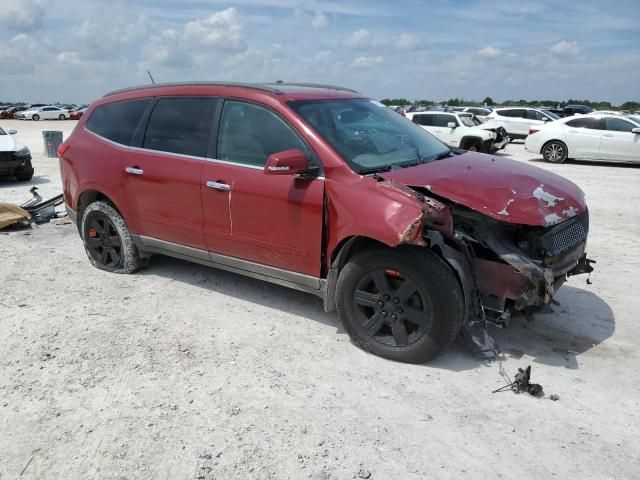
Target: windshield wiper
367,171
441,155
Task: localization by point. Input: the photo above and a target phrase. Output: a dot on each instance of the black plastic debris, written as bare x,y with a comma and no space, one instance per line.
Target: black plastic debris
522,383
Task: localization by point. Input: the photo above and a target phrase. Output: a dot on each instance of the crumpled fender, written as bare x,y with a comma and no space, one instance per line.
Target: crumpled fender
387,211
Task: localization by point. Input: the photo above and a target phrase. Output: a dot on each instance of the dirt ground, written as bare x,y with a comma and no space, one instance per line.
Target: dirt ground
185,372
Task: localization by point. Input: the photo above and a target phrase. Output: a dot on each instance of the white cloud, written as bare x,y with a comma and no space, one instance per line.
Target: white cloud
359,39
490,52
565,48
22,15
319,19
221,30
367,61
407,41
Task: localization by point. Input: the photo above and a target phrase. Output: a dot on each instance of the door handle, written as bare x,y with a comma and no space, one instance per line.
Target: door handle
223,187
134,170
608,135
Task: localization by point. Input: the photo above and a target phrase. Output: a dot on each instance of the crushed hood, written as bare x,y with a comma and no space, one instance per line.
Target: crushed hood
504,189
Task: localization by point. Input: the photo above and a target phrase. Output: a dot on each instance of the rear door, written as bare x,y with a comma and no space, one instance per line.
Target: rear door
618,141
163,169
583,135
273,220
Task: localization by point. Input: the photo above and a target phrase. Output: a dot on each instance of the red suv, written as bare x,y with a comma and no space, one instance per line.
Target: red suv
321,189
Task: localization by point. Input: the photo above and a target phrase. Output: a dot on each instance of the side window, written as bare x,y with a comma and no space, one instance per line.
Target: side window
180,125
534,115
520,113
249,134
117,121
426,120
503,113
618,125
585,122
442,120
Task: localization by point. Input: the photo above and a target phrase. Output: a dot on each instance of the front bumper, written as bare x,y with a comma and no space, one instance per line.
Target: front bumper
11,165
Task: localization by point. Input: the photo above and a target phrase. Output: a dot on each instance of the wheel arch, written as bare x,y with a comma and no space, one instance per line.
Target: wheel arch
469,140
89,196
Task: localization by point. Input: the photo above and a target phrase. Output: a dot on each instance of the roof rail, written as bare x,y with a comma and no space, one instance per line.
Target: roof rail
311,85
257,86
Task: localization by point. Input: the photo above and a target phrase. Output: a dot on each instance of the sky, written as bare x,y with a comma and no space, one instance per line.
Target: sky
76,50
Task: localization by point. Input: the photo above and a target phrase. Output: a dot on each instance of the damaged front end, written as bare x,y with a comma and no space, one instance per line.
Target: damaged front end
507,269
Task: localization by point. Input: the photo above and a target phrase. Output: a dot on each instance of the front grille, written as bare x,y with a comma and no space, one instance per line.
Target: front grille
6,156
567,235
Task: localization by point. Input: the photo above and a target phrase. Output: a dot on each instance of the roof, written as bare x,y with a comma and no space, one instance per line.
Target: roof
278,88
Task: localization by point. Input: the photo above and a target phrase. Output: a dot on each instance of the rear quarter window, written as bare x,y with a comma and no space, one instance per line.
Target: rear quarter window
117,121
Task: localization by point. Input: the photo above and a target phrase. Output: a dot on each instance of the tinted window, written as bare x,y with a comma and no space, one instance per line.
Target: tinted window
535,115
426,120
180,125
118,121
618,124
442,120
586,122
249,134
504,113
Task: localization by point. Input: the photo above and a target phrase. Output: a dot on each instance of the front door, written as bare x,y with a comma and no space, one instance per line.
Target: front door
273,220
163,171
618,141
583,136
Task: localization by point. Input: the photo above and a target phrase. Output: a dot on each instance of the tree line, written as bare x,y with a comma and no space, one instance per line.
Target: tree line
454,102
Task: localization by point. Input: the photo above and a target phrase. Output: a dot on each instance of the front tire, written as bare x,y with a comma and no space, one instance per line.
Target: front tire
555,151
61,117
107,240
404,304
26,173
35,118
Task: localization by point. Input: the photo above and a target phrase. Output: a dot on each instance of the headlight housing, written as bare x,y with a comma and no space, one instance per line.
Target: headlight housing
23,152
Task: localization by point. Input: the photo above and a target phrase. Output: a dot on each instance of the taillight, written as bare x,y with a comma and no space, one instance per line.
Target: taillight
532,131
62,148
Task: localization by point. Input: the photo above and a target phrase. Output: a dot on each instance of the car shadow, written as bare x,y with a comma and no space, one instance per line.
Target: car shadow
13,182
581,321
243,288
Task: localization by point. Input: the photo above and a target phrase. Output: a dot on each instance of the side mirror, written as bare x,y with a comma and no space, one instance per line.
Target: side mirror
545,119
451,125
12,131
288,162
635,130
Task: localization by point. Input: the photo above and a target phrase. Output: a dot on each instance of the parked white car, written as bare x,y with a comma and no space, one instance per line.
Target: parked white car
458,130
589,137
517,121
15,157
480,112
43,113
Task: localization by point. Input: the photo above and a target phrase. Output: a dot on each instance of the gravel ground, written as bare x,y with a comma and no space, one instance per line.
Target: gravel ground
185,372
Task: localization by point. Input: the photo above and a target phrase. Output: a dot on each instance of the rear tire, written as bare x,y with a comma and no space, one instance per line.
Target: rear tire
107,240
555,151
61,117
404,304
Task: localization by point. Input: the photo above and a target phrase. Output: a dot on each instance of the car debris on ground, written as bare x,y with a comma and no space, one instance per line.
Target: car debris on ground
36,210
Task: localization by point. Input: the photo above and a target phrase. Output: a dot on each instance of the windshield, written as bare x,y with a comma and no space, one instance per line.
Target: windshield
551,114
467,120
368,135
2,132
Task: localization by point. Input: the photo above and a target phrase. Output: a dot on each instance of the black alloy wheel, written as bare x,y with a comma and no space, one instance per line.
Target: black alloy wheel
103,241
391,308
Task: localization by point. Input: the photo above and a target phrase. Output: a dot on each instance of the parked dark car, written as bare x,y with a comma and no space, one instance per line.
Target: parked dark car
569,110
77,114
324,190
11,112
